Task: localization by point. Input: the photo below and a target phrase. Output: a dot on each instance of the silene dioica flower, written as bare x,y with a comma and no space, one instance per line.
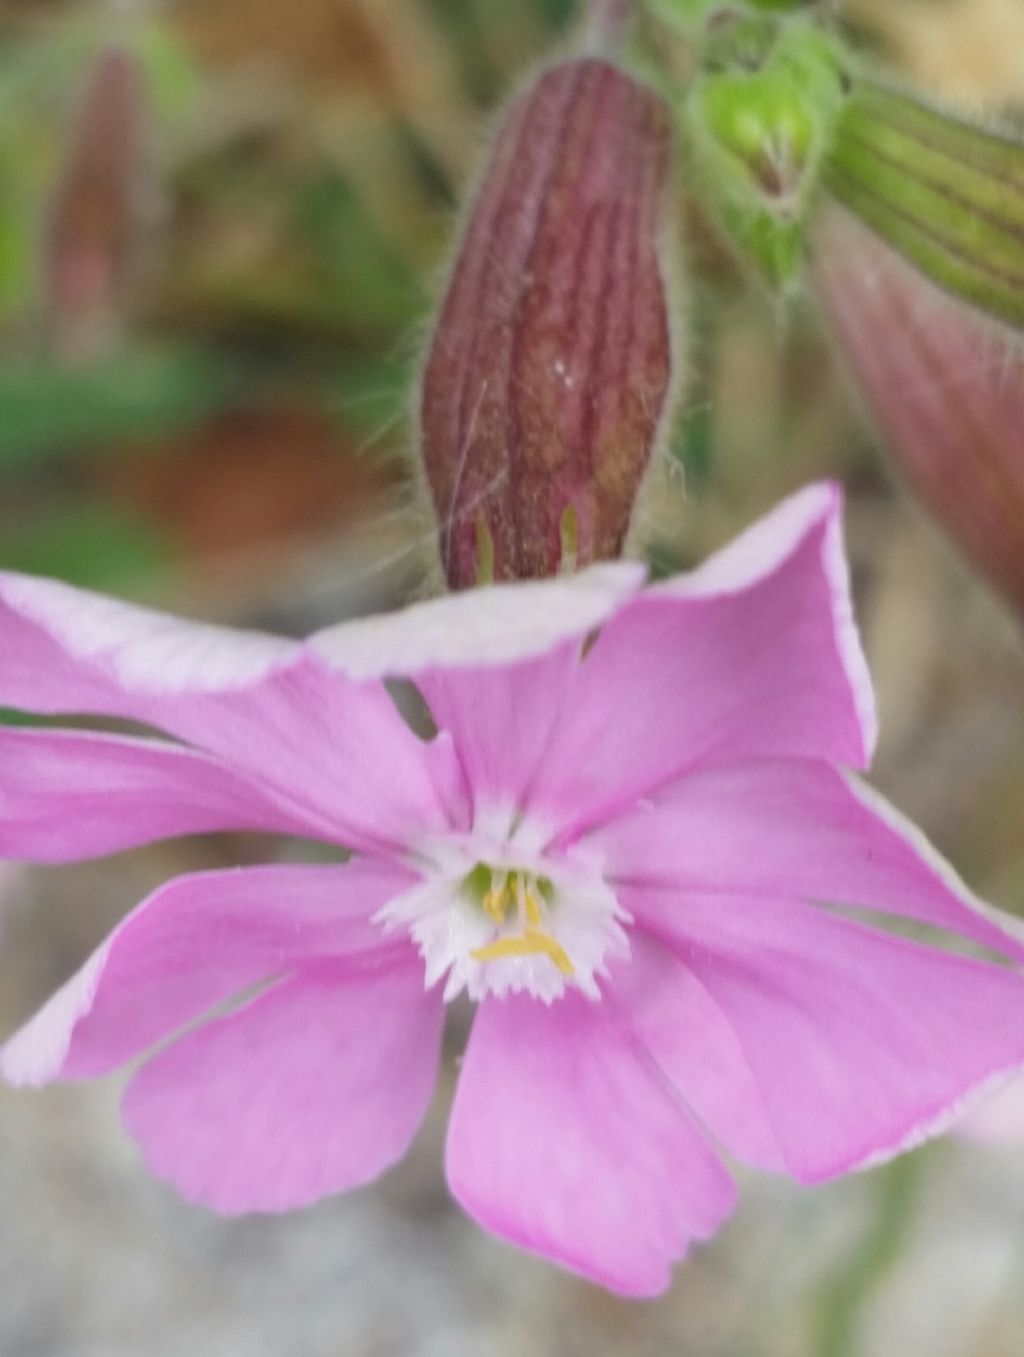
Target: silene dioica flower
623,823
631,842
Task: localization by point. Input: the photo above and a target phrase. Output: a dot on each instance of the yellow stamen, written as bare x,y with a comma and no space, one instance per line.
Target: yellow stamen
509,890
496,903
532,910
531,944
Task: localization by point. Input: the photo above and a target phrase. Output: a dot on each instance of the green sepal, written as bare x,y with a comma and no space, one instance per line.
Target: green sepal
758,120
947,194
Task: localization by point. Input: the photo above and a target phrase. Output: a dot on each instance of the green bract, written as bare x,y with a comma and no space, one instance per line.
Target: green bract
758,119
947,194
776,113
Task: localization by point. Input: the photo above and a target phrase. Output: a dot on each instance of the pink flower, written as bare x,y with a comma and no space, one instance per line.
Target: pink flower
626,849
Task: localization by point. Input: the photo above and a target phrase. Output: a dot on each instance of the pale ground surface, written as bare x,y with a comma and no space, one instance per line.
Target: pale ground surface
98,1260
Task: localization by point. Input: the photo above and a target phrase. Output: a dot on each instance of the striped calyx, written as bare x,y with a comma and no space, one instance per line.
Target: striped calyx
946,194
549,371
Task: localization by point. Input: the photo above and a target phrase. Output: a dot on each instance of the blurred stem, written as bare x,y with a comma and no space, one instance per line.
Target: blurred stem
869,1263
608,22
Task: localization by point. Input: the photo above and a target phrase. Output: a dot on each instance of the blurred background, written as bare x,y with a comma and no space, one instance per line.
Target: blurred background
222,225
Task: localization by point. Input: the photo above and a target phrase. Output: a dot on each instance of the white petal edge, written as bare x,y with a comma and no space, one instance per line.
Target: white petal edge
886,812
38,1050
495,625
146,650
763,548
972,1101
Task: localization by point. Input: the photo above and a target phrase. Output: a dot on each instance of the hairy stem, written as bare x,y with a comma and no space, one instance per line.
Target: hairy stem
607,23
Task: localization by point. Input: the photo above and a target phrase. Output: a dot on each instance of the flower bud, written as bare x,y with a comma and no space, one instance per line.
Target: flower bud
758,119
549,372
98,213
945,384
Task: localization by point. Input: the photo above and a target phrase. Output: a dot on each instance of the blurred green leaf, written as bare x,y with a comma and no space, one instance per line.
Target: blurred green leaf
371,394
558,12
15,257
352,262
172,75
47,410
459,21
91,545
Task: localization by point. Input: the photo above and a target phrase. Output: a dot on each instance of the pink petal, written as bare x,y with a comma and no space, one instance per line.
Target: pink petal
861,1043
695,1048
754,655
565,1140
996,1117
502,720
335,750
67,795
315,1087
792,827
68,650
196,943
495,664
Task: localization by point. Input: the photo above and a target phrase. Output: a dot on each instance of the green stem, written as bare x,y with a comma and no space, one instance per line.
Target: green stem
608,22
869,1263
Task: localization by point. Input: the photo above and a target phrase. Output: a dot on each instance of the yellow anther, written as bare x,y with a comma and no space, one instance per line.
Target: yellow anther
556,952
532,910
531,944
496,903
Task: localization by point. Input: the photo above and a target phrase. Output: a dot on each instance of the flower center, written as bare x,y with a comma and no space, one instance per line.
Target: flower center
517,902
489,924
